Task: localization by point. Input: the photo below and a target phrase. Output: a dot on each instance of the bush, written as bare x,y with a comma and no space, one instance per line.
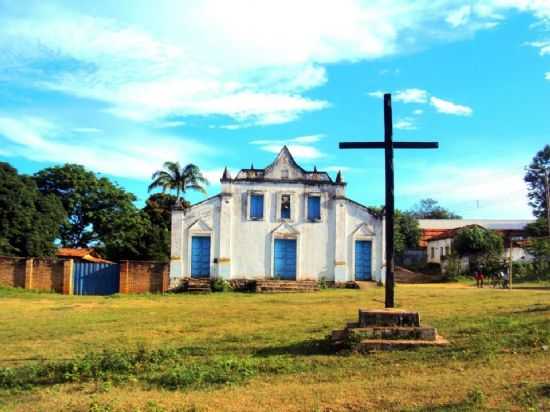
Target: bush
220,285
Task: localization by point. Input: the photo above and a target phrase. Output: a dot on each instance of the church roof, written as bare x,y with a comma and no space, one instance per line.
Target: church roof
284,168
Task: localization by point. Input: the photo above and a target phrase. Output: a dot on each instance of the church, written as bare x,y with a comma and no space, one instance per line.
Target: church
280,222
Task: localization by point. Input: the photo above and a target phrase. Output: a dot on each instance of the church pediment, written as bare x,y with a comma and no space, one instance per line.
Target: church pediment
199,225
364,229
284,167
285,229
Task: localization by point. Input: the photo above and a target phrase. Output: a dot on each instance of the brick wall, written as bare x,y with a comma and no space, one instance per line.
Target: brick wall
12,272
57,275
29,273
47,274
143,276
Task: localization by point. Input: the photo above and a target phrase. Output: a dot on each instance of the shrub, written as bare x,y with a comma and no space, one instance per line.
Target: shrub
220,285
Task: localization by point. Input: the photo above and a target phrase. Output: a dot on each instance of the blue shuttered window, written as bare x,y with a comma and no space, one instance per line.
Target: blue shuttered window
314,208
256,206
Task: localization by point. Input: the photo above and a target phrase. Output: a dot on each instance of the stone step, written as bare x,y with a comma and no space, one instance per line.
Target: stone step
285,283
369,345
388,317
394,333
285,290
198,285
199,290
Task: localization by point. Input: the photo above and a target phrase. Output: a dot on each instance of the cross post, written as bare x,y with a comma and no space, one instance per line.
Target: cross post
388,145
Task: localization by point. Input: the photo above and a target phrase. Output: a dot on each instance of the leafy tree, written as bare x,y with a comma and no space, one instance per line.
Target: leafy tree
484,247
158,209
180,179
406,232
430,209
536,182
29,221
539,228
539,248
99,212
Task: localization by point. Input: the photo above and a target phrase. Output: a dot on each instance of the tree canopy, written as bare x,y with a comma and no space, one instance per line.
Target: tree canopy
29,220
407,232
180,179
536,185
99,213
430,209
156,242
484,247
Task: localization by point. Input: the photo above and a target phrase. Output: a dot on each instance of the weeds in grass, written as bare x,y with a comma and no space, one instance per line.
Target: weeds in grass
166,368
473,401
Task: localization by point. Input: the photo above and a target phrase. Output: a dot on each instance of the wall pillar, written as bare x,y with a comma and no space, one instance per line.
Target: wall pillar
341,264
68,266
176,247
224,236
124,277
28,273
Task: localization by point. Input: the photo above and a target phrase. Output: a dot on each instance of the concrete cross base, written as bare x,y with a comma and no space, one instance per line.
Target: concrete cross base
385,329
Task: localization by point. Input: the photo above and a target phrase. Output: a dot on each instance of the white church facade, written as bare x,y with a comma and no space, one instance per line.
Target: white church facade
281,222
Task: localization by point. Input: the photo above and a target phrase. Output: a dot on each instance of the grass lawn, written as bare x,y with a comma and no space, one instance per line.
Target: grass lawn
246,352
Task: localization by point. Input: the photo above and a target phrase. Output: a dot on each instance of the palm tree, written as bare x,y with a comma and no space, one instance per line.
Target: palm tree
174,177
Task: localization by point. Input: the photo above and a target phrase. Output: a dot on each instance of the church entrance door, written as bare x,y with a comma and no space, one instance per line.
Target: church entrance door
363,256
285,259
200,256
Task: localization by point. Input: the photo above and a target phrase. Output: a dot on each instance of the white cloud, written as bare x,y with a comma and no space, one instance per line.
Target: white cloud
418,112
460,16
542,45
405,124
500,191
297,150
300,146
377,93
411,96
136,157
170,123
87,130
547,76
447,107
250,61
313,138
420,96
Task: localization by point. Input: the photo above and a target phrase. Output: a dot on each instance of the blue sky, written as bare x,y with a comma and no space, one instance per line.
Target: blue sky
121,87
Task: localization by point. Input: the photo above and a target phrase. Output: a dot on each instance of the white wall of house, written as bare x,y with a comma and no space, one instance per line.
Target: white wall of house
439,248
244,248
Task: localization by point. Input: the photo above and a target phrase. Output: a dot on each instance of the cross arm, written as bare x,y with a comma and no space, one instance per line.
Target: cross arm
396,145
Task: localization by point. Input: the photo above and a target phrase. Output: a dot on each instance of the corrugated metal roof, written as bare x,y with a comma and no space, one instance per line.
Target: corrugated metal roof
494,224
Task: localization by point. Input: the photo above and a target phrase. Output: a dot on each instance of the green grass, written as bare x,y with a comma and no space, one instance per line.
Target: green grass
232,351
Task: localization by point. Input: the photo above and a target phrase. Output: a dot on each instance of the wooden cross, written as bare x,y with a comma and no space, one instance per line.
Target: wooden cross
388,145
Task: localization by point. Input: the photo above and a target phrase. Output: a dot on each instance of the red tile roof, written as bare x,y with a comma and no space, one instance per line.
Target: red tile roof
87,254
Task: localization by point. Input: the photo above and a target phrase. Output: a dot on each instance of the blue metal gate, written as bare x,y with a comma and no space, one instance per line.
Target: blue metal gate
200,257
363,254
95,278
285,259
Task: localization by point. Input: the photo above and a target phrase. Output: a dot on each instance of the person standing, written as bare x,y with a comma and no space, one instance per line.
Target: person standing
478,275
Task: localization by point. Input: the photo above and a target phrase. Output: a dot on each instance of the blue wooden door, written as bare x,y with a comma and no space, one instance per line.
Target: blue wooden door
200,257
363,256
285,259
95,278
